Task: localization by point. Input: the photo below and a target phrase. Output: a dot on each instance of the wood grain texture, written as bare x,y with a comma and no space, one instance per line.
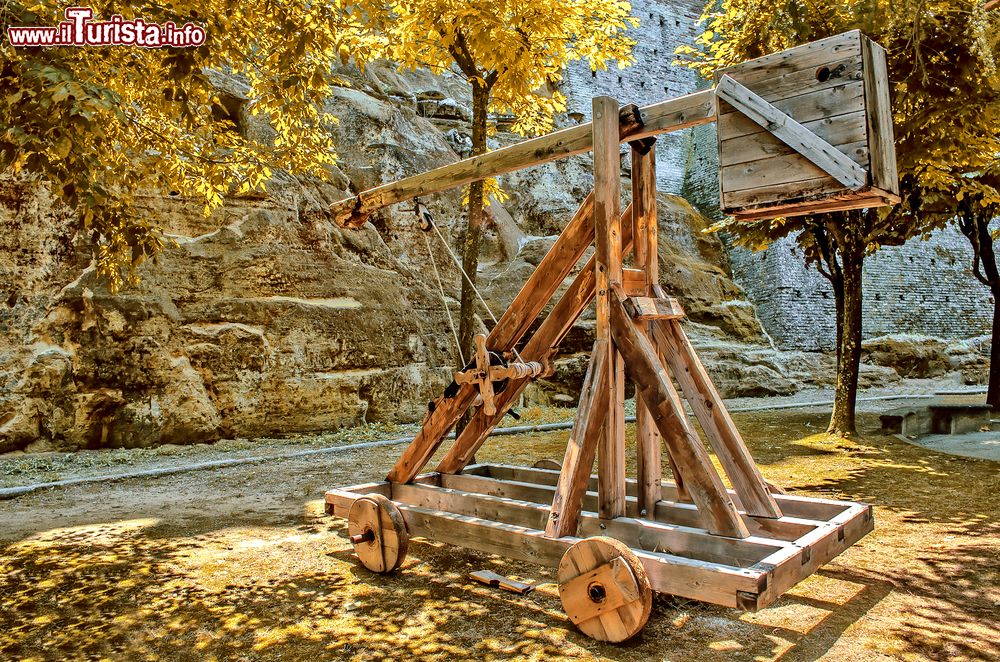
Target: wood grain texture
378,520
665,116
511,327
754,496
607,235
821,153
880,131
541,346
588,427
649,469
604,589
653,386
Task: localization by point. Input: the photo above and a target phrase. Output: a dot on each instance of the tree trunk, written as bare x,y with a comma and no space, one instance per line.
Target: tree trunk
473,239
474,228
852,256
988,260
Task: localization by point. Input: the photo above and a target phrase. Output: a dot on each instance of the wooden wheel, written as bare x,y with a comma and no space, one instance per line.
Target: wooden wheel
604,589
378,533
546,463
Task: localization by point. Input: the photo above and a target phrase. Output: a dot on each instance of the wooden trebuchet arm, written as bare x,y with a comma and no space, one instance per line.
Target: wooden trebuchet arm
634,124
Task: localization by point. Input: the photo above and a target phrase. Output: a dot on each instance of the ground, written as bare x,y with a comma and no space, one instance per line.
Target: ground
242,563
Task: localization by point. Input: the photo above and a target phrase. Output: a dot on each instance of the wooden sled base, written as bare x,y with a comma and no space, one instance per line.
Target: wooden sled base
503,510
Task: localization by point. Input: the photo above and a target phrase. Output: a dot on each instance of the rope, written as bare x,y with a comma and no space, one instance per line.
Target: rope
458,264
444,300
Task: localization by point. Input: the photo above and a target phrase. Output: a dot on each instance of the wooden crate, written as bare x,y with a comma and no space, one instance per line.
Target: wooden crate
503,509
837,89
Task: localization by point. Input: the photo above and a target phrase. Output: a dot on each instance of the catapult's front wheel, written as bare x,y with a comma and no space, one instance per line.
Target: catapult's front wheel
378,533
604,589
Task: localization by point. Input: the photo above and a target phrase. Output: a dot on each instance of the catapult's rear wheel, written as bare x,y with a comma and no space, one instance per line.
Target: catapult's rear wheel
604,589
378,533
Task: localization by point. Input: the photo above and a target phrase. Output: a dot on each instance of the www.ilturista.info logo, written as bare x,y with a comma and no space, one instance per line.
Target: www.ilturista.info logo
79,30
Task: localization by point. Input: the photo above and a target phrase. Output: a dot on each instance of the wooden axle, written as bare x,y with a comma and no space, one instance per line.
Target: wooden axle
485,374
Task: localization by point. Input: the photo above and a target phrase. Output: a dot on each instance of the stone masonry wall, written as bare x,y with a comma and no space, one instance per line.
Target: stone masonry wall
922,287
663,26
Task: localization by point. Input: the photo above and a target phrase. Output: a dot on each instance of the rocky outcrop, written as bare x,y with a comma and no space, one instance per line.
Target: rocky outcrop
922,357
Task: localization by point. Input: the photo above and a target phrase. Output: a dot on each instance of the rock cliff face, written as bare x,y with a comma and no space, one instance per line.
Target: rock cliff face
267,319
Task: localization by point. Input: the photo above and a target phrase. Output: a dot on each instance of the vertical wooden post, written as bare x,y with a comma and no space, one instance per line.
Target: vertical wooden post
648,442
607,231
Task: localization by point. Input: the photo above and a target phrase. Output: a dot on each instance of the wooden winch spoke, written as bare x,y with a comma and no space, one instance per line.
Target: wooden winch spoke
483,375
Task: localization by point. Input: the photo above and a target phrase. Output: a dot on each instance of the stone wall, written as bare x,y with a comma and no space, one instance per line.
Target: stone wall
922,287
663,26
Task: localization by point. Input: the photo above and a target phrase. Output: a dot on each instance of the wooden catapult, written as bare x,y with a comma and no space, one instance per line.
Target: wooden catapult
803,131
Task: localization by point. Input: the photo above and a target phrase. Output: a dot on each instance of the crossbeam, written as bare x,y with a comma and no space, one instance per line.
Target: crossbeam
635,124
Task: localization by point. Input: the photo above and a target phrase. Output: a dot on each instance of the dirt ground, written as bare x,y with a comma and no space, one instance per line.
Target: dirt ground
241,563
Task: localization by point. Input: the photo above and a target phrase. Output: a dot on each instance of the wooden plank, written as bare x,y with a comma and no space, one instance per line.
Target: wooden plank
662,117
513,324
838,130
789,566
491,578
516,503
807,80
540,347
785,528
647,309
745,477
881,142
634,282
793,506
607,234
588,426
786,171
807,56
791,132
652,385
871,198
840,100
649,470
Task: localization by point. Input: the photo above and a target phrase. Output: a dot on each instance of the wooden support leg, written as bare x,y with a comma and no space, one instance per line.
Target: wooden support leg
588,427
651,379
649,470
515,322
607,234
749,485
540,347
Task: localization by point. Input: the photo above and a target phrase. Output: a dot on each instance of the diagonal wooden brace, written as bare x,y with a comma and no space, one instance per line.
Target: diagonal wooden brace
680,355
802,140
651,380
515,322
539,347
588,426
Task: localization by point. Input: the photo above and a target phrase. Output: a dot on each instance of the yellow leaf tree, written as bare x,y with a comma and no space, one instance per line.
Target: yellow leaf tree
513,54
100,124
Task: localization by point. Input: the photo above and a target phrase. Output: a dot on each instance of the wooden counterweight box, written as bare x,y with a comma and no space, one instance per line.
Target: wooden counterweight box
807,130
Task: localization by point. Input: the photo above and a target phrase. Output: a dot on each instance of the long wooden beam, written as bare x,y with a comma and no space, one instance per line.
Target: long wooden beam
540,347
515,322
663,117
578,462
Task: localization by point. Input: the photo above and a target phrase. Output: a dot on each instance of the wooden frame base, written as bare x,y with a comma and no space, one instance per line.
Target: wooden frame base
503,510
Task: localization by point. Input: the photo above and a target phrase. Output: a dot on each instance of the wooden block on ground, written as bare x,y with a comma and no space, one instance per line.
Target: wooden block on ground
499,581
